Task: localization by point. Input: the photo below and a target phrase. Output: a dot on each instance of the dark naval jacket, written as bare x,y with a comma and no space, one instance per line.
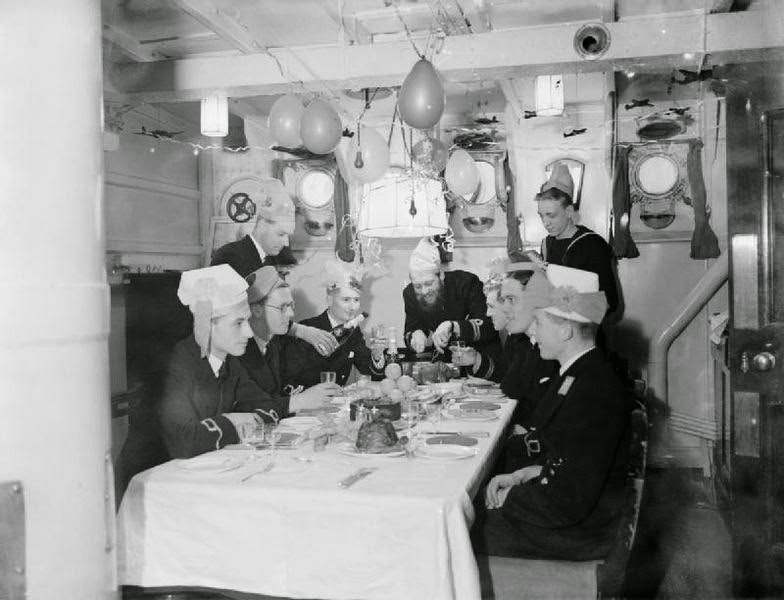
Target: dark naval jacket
194,401
526,375
303,364
243,257
579,435
464,302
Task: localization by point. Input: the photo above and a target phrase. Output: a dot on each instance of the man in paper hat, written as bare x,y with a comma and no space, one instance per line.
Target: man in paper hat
271,353
570,244
343,286
208,397
564,500
268,244
444,306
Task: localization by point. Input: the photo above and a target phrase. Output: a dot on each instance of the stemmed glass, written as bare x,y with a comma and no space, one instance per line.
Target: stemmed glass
252,434
272,435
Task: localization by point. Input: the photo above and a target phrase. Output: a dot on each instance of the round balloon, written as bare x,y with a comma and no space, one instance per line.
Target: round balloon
421,98
369,151
320,127
283,122
430,154
461,174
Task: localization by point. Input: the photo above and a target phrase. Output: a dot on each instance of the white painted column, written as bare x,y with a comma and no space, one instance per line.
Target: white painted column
54,301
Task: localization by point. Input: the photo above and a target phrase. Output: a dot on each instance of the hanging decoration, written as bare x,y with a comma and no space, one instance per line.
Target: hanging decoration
461,175
370,155
421,98
430,155
320,127
215,116
284,121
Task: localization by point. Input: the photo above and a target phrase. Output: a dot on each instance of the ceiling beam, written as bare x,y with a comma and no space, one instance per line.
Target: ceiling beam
641,44
129,45
223,24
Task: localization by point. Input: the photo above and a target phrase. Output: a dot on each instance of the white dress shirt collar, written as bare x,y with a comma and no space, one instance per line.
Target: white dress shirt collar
215,363
259,249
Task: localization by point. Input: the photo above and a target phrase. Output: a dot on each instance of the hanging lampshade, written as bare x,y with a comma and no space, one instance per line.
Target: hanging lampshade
215,116
549,95
399,206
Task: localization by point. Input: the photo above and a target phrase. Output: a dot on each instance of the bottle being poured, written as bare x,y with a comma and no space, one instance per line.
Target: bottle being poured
343,331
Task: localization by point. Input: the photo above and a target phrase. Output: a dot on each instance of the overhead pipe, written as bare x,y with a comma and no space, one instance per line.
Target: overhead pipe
660,344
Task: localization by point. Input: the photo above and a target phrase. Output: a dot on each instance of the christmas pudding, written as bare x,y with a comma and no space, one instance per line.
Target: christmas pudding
377,436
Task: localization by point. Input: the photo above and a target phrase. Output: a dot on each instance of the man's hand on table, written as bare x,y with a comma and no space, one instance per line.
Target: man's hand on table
466,357
499,486
323,341
242,421
315,396
418,341
442,334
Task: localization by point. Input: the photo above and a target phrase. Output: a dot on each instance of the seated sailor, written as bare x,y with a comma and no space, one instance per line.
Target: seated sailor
272,308
446,305
342,318
522,373
564,500
207,394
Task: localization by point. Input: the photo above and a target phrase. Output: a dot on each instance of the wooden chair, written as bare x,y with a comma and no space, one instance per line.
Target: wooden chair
515,579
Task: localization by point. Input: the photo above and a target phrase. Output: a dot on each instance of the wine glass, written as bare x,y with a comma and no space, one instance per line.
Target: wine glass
252,434
272,435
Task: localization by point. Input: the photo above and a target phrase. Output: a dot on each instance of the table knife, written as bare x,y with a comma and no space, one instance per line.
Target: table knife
356,476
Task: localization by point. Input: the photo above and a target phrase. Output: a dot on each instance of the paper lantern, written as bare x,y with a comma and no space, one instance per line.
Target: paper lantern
399,206
215,116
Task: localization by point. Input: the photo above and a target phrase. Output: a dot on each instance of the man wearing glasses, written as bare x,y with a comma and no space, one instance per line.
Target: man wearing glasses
265,359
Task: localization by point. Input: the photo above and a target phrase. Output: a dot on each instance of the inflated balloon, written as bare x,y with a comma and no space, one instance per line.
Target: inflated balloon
430,155
284,118
461,174
368,155
421,98
320,127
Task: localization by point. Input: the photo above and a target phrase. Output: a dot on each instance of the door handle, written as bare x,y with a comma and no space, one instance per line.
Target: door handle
762,361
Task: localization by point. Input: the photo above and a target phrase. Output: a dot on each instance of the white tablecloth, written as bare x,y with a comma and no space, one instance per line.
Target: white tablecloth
400,533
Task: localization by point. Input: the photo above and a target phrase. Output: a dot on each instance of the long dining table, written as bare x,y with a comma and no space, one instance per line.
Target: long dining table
291,530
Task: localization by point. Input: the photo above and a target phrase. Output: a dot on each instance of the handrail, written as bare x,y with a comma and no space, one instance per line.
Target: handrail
660,344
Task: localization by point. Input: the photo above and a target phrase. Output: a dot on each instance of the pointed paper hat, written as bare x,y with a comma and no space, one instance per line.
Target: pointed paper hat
560,179
425,257
210,292
574,295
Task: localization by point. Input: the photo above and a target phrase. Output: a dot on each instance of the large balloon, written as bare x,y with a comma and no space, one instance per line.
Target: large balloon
284,118
461,174
320,127
368,155
430,154
421,99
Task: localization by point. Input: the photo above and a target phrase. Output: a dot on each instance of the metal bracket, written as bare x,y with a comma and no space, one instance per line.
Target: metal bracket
12,541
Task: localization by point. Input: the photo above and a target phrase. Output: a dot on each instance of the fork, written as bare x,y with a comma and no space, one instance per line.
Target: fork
266,469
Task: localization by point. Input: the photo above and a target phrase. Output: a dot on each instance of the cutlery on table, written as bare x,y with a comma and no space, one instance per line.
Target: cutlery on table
356,476
266,469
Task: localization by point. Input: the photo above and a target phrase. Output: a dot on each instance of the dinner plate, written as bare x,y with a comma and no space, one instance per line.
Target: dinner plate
445,452
209,464
478,405
455,440
300,423
350,450
473,415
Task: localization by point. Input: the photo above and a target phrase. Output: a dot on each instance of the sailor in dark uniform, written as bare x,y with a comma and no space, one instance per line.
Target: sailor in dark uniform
569,244
208,396
343,285
270,350
442,306
564,500
522,373
268,245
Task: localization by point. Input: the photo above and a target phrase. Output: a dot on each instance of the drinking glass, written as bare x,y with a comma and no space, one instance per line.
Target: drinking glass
272,437
252,434
329,377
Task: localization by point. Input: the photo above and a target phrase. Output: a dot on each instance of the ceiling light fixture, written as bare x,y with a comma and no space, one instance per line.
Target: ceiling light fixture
549,95
215,116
